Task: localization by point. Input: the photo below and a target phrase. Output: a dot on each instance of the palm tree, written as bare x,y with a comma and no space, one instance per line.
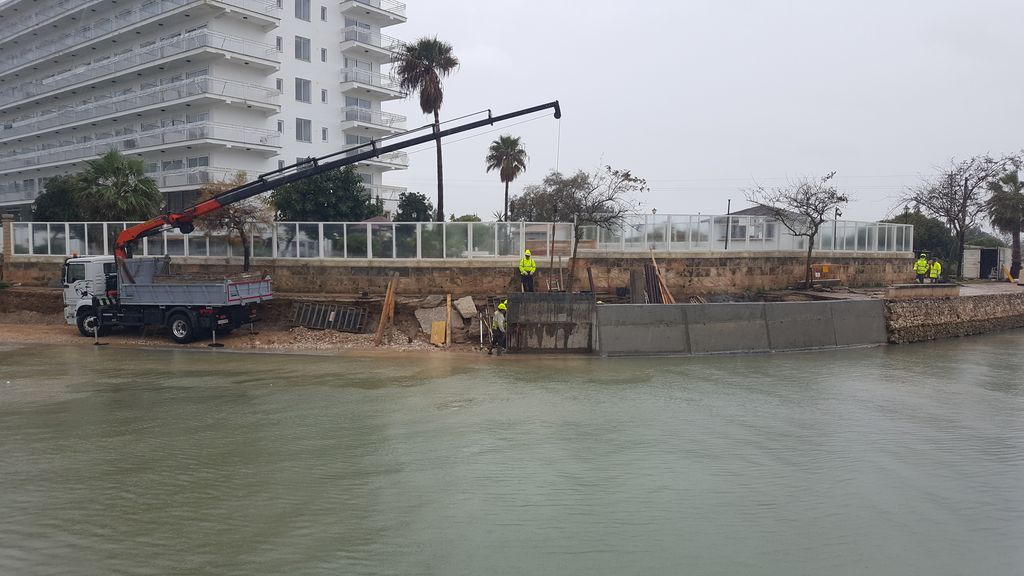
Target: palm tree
116,188
1006,212
420,67
508,157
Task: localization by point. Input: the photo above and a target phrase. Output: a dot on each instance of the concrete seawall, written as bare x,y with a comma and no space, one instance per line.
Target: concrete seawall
643,329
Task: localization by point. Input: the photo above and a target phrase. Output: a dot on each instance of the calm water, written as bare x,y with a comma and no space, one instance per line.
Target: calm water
896,460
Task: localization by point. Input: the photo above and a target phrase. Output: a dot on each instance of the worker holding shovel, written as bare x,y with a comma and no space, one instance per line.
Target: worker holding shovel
498,329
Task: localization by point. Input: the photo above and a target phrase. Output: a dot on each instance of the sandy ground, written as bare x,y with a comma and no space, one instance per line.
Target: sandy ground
38,328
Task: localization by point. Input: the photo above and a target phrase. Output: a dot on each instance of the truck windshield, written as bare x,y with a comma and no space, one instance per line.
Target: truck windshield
73,273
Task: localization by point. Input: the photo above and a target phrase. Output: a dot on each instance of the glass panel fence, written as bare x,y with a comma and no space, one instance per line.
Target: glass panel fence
383,240
431,240
464,240
356,241
405,240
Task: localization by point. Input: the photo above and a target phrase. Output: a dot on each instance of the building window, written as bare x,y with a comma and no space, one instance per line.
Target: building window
280,125
302,48
279,44
302,10
323,96
323,54
198,161
302,90
172,165
280,164
323,13
303,130
323,134
280,3
280,84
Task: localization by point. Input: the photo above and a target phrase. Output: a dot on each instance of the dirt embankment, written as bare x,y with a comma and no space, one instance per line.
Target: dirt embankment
35,315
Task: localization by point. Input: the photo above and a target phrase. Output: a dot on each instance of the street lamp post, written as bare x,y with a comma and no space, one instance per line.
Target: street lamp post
728,221
834,220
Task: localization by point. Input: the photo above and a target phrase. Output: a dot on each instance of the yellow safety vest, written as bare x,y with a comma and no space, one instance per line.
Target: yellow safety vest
527,266
936,269
921,266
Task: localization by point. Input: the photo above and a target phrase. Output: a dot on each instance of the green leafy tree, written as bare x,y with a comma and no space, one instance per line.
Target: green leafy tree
978,237
235,218
465,218
413,207
420,66
1006,212
508,157
332,196
58,202
115,187
957,195
603,198
930,234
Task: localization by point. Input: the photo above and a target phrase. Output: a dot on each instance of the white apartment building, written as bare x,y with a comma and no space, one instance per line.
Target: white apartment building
197,89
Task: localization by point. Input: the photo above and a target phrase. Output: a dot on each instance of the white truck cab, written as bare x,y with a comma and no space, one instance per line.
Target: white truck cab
83,278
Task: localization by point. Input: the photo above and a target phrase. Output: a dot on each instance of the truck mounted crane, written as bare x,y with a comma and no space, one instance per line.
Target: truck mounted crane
101,292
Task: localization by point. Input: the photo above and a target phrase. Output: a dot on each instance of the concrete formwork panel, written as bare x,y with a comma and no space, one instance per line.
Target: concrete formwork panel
859,322
800,325
630,329
732,327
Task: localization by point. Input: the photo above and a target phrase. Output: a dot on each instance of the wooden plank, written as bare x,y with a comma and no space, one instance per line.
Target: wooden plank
437,333
386,313
448,324
666,295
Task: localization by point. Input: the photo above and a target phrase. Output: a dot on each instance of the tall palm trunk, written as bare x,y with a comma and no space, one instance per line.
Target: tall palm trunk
440,170
1015,253
506,202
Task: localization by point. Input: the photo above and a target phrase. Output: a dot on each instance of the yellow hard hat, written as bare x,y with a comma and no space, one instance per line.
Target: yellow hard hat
502,306
527,252
923,256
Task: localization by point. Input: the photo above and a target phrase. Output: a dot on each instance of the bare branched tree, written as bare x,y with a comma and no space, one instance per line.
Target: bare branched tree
957,195
235,218
802,207
603,199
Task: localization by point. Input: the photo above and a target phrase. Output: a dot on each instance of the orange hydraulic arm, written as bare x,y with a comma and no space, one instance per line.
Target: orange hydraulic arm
265,182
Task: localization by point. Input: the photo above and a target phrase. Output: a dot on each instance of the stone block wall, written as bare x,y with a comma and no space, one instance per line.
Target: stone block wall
701,275
743,272
933,318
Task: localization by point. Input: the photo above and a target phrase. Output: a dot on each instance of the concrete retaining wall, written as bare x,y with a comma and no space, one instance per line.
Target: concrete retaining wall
643,329
551,322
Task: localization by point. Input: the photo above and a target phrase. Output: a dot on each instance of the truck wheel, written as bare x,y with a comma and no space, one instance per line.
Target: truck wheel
87,322
182,329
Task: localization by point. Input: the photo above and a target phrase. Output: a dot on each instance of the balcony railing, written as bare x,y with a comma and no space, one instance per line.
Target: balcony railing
374,79
107,104
386,193
391,6
26,157
17,190
26,20
192,176
103,26
364,36
164,49
383,119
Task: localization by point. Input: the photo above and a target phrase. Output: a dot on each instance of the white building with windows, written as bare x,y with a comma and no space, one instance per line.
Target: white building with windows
197,89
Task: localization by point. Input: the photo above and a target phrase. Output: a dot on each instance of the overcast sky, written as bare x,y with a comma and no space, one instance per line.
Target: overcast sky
705,98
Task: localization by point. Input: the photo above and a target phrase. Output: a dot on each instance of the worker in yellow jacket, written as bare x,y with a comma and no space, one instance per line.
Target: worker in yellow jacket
527,268
934,271
921,268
